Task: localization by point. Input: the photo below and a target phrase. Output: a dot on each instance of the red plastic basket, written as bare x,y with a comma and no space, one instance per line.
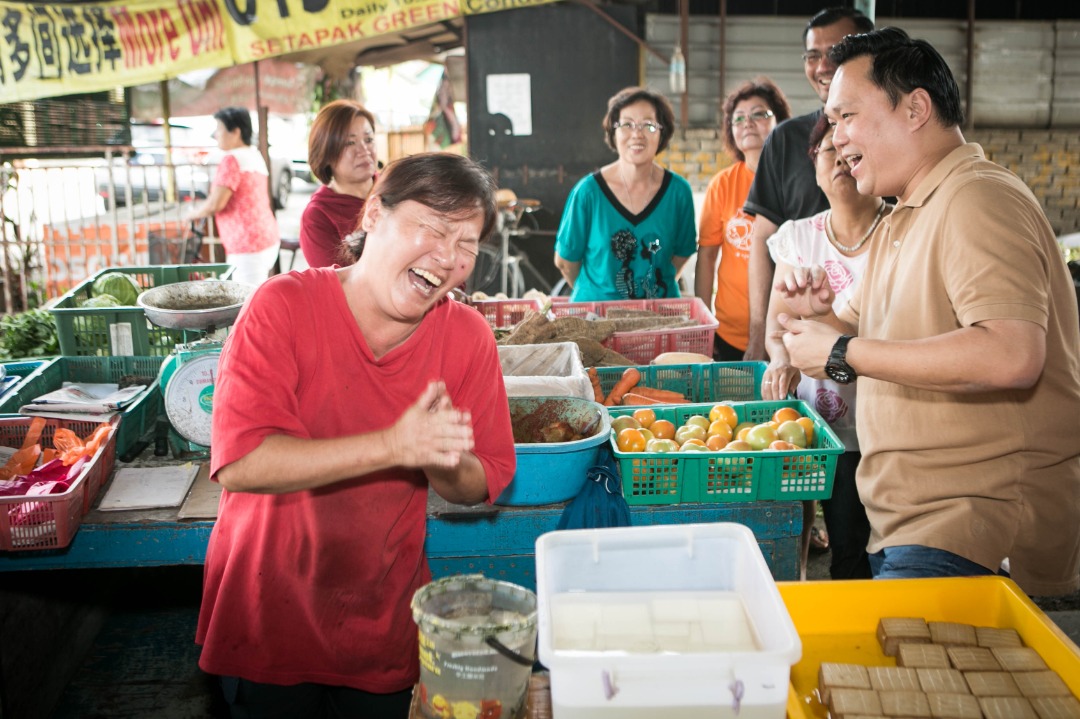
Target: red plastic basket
644,346
50,521
505,313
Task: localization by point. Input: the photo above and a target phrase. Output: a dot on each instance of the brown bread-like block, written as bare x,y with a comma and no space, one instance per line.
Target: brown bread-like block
1056,707
1007,708
952,634
991,684
894,679
997,637
944,681
922,655
973,659
911,705
894,631
1019,659
1041,684
848,702
953,706
833,675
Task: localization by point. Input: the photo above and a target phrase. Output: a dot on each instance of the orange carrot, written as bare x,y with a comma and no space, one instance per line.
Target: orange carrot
598,391
628,381
664,395
631,398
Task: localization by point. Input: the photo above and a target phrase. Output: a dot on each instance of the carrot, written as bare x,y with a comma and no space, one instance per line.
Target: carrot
664,395
631,398
598,391
628,381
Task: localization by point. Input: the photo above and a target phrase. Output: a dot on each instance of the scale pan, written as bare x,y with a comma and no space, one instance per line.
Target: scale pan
196,305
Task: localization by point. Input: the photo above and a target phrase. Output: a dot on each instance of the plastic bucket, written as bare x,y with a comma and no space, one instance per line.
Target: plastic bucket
477,647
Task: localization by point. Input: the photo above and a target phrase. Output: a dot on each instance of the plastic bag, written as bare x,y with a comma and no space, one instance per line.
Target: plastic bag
600,502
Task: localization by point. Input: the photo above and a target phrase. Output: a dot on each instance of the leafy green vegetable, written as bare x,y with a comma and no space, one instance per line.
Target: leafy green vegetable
121,286
104,300
28,334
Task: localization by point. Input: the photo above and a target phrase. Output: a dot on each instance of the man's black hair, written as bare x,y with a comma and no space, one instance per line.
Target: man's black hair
833,15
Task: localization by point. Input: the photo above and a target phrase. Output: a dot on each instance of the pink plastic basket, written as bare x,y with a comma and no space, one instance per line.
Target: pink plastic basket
505,313
50,521
645,345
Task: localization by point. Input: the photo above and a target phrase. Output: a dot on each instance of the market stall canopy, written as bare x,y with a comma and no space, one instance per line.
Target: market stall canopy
52,49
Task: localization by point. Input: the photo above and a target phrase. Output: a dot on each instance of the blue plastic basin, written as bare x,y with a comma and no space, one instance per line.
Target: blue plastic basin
553,472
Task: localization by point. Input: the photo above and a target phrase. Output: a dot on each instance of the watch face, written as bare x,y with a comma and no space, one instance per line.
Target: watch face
839,372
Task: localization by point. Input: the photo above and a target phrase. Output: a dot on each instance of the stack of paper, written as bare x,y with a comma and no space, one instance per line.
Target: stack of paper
93,402
149,487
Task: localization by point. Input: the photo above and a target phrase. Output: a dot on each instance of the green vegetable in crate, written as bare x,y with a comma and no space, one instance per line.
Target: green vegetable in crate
119,285
28,334
104,300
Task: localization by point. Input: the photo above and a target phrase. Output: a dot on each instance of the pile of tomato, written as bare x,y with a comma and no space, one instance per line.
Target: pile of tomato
720,431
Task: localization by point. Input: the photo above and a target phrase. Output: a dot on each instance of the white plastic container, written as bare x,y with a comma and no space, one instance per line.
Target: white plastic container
676,566
544,370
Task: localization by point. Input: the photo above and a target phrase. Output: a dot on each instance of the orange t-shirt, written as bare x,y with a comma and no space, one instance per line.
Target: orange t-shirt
724,223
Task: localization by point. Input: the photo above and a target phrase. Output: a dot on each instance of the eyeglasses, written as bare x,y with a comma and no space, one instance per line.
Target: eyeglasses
814,57
758,116
650,127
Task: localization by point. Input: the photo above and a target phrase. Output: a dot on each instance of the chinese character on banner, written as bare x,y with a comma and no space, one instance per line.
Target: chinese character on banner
442,125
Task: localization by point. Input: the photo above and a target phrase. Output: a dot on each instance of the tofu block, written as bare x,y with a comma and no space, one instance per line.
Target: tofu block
1007,708
1019,659
997,637
952,634
973,659
1041,684
992,684
833,675
894,631
1056,707
894,679
843,703
908,704
944,681
953,706
922,655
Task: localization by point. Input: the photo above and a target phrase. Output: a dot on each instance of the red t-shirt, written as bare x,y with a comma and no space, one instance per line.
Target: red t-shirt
314,586
328,217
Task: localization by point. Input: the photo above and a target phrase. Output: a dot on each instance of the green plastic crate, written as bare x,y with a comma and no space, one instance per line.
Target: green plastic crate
135,421
125,331
677,477
16,372
710,382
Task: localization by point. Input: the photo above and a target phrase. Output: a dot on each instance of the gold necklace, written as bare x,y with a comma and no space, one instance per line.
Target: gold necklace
862,240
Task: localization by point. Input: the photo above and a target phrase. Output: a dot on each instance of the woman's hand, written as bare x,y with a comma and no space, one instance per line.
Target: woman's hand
431,433
807,291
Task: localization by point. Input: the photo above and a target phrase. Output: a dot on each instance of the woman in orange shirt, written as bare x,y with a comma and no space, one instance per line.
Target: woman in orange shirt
751,112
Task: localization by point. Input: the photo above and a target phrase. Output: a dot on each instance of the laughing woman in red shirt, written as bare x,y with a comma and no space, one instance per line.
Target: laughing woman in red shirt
343,395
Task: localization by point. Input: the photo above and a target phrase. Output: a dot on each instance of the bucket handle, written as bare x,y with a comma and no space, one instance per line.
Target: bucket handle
507,652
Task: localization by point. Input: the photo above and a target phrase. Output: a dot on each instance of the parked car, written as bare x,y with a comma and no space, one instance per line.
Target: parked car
193,164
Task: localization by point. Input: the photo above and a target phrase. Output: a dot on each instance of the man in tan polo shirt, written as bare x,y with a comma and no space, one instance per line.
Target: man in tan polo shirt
964,335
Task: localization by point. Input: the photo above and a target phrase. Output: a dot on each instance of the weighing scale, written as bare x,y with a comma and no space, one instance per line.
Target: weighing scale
188,374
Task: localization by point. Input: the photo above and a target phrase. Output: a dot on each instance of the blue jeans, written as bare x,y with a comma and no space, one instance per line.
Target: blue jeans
913,560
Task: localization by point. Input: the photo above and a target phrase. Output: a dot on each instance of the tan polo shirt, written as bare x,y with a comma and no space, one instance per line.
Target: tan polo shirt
989,475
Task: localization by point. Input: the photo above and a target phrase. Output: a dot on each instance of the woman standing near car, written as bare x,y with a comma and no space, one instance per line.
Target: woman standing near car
341,154
239,200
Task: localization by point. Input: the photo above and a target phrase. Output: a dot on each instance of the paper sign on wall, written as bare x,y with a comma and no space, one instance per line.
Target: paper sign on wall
511,95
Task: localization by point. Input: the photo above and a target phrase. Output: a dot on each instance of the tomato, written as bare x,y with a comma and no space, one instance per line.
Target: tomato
725,412
645,417
630,440
663,429
808,426
784,414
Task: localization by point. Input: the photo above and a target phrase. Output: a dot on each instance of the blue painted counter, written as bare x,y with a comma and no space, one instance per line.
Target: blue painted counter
497,541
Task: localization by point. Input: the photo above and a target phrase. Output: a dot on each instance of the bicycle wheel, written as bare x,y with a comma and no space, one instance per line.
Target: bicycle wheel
485,274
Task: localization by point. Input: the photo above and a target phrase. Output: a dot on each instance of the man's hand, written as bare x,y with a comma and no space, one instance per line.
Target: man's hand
807,291
431,433
808,344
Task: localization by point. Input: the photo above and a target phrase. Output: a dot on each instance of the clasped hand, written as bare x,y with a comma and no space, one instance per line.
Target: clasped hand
808,341
432,433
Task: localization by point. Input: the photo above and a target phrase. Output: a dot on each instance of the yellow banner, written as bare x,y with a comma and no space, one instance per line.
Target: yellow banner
48,50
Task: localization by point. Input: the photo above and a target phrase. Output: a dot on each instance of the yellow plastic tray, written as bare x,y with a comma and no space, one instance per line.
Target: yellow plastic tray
837,622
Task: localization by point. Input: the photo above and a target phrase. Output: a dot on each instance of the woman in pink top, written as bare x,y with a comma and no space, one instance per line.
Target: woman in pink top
341,153
239,200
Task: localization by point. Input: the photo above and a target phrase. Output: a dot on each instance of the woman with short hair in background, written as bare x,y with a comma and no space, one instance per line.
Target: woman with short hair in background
341,154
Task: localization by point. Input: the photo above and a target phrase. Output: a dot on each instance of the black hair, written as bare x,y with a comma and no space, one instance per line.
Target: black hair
448,183
833,15
817,134
900,65
233,118
665,115
761,87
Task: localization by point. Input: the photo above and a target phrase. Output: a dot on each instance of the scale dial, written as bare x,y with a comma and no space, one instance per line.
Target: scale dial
189,397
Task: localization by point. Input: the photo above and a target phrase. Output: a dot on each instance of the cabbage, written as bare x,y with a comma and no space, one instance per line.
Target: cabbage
105,300
121,286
